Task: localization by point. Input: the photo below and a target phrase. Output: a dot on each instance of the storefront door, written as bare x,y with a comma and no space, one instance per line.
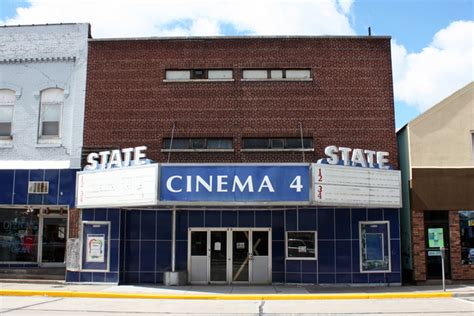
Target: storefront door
436,236
230,255
53,235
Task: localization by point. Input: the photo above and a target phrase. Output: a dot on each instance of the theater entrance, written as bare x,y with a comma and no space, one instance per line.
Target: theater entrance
229,255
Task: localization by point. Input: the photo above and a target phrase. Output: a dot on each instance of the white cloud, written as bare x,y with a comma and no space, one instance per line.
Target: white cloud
126,18
423,79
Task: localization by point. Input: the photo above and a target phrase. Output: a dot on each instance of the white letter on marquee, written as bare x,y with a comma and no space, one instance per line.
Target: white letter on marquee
241,186
266,183
91,159
168,184
331,151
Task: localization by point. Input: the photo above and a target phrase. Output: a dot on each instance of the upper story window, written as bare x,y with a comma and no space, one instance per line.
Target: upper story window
193,144
199,74
472,144
51,112
276,74
277,144
7,101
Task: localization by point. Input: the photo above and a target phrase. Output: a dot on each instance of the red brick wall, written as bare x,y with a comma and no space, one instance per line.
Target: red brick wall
459,271
418,239
349,102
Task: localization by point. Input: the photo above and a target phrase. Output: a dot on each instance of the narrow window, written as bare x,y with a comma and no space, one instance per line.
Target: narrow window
219,143
7,101
298,74
178,75
198,74
255,74
255,143
51,111
219,74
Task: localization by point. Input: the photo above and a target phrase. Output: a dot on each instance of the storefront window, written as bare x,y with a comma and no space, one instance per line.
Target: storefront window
374,246
301,245
18,235
466,224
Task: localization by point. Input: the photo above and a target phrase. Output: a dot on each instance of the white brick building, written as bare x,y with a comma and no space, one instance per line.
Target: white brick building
43,80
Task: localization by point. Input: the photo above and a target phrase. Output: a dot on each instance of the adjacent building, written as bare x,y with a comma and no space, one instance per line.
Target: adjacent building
42,94
235,127
437,162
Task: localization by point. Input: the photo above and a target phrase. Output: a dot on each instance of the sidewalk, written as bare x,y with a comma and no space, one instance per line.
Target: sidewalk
233,291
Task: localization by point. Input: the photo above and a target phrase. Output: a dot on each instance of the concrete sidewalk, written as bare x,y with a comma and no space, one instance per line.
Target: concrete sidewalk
234,292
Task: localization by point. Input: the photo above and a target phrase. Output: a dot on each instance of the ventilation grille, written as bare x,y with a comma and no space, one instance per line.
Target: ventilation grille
38,187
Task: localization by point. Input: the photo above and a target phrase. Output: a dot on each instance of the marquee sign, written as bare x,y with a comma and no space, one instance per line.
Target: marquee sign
234,183
358,187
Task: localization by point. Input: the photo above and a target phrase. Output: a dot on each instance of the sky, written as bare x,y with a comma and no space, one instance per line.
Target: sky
432,40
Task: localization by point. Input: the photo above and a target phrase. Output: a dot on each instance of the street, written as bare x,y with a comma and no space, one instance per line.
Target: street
91,306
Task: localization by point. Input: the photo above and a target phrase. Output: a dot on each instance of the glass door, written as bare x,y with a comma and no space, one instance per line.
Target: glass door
218,257
436,236
260,263
53,240
240,256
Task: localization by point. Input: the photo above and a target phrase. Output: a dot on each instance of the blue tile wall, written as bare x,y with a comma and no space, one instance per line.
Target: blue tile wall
141,242
14,187
115,217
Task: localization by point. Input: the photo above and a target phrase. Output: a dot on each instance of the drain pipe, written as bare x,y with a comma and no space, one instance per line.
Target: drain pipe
173,242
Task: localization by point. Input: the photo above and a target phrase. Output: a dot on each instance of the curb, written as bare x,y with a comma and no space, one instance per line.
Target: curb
250,297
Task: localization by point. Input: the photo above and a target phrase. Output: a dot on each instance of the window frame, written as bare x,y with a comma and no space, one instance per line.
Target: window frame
190,141
13,92
469,263
192,76
315,232
42,137
361,270
283,78
269,143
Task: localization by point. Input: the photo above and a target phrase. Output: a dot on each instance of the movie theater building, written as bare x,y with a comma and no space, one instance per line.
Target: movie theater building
437,162
200,162
42,92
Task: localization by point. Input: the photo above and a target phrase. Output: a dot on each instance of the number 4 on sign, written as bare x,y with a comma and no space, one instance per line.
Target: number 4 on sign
296,184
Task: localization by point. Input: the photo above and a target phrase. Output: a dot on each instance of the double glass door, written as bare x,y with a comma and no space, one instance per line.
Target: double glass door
230,255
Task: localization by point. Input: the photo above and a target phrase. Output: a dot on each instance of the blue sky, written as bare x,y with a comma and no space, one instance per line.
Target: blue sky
432,40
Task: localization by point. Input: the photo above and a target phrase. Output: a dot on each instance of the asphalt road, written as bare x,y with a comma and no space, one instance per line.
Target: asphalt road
91,306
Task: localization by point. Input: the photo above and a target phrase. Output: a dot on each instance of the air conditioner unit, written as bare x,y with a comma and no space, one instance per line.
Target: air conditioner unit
38,187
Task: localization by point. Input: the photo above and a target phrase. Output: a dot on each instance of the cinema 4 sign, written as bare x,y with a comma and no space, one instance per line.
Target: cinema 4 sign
234,183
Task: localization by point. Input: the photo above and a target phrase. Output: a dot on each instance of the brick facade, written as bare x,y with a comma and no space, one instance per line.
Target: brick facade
458,270
419,253
348,103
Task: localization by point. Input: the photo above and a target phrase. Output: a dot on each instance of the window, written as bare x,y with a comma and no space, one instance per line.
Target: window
466,225
276,74
51,112
472,144
301,245
19,235
374,242
197,144
7,101
199,74
277,143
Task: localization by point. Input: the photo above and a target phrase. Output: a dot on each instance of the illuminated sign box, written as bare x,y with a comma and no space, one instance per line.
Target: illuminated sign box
184,183
335,185
118,187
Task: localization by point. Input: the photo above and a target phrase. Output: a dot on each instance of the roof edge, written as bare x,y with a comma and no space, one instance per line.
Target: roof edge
191,38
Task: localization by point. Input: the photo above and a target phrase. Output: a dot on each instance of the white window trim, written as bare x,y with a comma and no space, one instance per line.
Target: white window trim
7,141
315,245
48,139
389,250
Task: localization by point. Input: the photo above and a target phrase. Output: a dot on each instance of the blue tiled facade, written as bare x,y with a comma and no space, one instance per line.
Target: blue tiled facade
14,187
141,242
